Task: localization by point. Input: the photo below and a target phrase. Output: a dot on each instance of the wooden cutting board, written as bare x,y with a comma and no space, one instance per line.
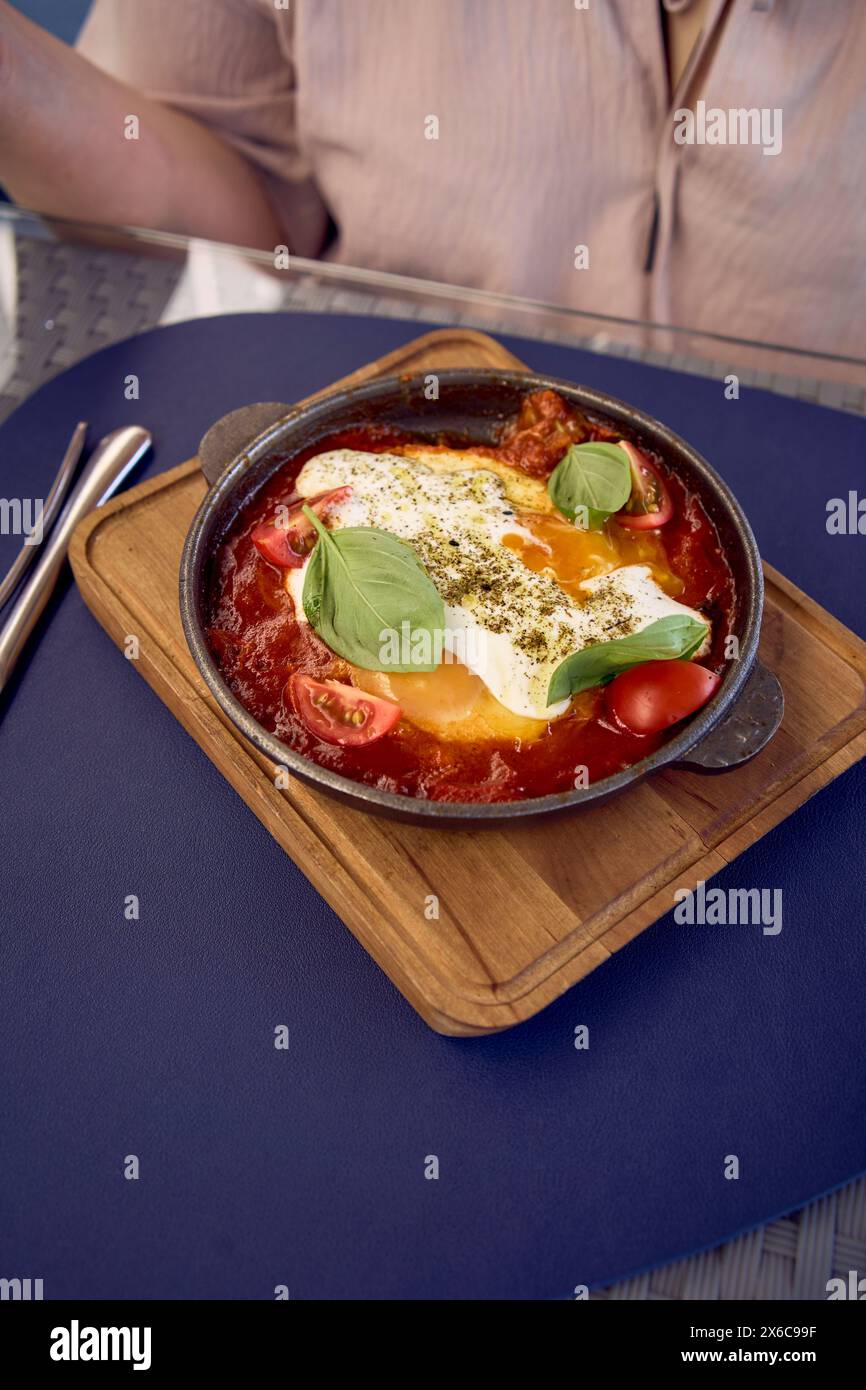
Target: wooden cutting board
522,912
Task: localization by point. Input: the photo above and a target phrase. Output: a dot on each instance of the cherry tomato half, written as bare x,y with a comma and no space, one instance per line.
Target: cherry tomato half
286,542
652,696
341,713
650,503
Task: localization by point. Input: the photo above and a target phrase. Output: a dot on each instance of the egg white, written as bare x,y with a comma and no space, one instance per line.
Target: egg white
510,625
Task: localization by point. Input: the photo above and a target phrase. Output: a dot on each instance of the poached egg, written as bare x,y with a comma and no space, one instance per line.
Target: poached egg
522,587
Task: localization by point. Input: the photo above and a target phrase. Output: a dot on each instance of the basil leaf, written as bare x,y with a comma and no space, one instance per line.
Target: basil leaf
369,597
694,648
590,483
667,639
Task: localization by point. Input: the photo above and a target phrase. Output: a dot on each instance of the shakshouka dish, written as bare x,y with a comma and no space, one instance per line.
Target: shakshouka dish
473,624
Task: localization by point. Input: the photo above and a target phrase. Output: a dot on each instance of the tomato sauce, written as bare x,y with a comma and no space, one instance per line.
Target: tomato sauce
257,641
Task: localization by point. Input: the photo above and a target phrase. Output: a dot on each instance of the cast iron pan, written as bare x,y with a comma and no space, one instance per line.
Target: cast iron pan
241,452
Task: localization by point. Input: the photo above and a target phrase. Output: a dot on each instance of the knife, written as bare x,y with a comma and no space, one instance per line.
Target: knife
112,460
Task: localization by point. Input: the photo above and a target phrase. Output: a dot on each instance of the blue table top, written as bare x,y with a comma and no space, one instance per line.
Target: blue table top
305,1167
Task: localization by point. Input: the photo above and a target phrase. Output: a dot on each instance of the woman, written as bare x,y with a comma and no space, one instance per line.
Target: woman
701,163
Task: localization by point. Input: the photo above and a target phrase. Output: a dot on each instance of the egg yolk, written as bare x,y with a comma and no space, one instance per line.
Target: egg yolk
570,555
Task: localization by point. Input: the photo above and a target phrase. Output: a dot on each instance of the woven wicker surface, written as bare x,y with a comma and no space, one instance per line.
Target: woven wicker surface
789,1259
73,300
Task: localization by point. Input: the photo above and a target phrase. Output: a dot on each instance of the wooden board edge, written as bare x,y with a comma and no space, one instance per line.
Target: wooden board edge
830,756
79,543
792,798
819,621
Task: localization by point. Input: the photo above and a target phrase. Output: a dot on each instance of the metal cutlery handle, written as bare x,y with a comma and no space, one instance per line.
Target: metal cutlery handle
53,502
111,461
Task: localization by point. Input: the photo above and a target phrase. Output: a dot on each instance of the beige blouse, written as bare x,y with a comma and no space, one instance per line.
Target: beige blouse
534,146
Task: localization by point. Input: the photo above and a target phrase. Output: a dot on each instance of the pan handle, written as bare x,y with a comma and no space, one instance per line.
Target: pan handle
754,719
234,433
